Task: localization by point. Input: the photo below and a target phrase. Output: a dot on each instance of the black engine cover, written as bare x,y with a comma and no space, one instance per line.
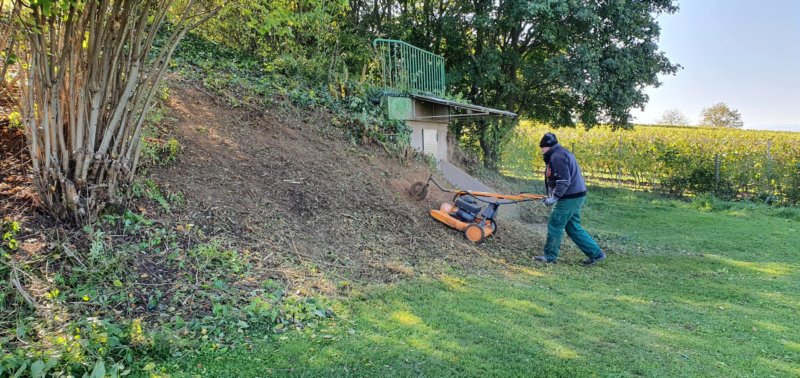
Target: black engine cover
468,208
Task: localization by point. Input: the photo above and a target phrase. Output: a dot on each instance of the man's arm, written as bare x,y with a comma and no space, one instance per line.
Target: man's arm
561,167
546,188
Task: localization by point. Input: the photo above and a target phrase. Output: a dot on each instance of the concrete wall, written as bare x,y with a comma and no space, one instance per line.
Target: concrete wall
421,110
416,136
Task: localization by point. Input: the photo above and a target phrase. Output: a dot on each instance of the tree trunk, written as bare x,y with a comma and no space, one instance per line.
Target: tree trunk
490,158
488,143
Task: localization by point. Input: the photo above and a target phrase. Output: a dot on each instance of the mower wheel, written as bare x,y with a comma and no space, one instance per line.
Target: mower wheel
418,190
474,233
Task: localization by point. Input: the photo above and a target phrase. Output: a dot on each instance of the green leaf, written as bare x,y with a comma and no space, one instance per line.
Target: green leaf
21,369
37,369
21,331
47,8
99,370
51,363
149,367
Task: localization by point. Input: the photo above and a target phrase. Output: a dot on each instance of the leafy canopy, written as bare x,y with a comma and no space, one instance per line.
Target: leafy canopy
720,115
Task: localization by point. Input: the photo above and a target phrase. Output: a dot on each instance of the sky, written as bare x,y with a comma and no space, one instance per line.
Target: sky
745,53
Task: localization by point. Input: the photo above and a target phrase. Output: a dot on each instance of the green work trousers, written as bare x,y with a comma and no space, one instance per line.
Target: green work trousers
566,216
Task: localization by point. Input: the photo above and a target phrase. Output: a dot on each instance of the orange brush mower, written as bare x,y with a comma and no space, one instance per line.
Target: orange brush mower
470,212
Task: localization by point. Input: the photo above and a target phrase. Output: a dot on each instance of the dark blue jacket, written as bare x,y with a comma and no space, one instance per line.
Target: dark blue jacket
563,177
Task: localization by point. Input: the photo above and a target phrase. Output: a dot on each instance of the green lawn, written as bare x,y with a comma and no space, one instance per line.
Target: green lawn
686,291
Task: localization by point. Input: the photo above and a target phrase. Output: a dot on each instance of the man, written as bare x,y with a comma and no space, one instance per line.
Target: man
567,191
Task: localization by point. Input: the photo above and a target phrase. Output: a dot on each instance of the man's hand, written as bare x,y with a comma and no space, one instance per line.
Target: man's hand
550,201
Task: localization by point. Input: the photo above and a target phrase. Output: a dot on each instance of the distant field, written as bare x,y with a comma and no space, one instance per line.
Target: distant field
728,162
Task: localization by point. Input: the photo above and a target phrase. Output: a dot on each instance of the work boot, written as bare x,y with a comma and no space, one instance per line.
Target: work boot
591,261
543,259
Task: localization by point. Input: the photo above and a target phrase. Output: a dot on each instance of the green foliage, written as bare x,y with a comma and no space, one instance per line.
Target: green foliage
73,347
757,165
9,229
149,189
366,122
131,293
485,138
15,120
273,310
8,245
292,37
89,347
720,115
160,152
791,188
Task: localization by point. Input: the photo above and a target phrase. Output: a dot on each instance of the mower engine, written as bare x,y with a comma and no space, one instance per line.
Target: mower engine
467,214
468,208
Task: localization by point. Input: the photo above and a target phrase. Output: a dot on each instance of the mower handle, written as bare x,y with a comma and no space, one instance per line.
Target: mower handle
511,197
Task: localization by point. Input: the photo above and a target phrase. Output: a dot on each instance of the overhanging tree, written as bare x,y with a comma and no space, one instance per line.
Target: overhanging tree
89,73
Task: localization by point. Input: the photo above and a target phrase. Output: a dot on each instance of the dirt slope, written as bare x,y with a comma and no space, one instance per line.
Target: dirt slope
286,186
18,199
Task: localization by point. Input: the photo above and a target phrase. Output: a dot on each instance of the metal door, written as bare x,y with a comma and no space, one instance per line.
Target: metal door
430,142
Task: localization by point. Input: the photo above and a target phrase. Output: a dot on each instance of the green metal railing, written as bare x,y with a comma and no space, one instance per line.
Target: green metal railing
410,70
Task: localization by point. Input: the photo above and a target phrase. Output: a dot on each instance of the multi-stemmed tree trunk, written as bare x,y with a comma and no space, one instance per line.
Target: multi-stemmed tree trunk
89,73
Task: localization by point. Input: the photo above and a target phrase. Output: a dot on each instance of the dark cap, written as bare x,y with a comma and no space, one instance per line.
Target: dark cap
548,140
